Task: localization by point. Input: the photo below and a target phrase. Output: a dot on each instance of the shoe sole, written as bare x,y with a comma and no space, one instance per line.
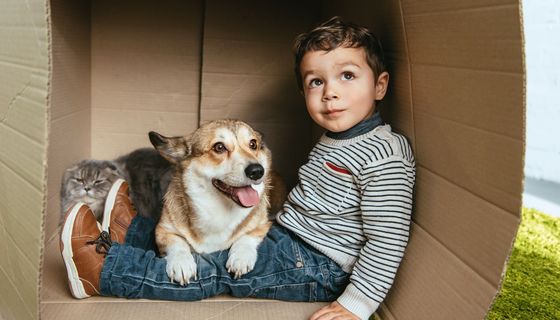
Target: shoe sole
76,285
110,203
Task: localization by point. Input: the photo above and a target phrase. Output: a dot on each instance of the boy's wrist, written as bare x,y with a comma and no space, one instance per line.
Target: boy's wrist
356,302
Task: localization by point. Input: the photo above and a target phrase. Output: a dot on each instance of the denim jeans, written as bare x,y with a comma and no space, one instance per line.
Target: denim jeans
287,269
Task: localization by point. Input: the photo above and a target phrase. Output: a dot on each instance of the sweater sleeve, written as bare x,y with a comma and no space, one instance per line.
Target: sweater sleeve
386,206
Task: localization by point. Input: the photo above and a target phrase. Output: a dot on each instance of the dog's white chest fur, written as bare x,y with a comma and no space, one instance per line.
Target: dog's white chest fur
217,217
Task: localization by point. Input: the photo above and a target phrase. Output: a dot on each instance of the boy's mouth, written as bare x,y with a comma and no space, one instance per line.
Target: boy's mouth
334,112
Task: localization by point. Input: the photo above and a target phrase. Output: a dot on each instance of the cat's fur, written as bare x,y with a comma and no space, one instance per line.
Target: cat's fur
147,173
88,181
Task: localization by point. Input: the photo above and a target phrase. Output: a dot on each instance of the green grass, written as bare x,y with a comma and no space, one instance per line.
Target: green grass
531,288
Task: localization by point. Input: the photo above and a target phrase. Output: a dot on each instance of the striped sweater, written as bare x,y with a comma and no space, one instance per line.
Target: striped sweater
353,203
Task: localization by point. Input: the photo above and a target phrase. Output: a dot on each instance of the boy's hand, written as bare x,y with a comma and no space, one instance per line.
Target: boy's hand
333,311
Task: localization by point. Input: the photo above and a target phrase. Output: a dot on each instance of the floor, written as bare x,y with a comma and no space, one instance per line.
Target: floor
542,195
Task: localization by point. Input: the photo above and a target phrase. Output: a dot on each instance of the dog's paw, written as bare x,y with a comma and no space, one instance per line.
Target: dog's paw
181,267
241,260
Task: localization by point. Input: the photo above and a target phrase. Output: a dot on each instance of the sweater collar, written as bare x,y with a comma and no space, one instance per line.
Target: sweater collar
360,128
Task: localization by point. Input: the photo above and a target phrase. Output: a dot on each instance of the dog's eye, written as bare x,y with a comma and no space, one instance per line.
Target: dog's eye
253,144
219,147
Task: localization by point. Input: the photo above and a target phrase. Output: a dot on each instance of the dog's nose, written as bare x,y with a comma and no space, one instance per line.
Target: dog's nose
254,171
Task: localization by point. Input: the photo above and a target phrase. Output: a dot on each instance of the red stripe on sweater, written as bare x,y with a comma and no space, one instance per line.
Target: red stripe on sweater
337,168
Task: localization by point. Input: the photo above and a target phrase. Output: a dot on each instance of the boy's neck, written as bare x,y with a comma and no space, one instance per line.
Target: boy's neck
360,128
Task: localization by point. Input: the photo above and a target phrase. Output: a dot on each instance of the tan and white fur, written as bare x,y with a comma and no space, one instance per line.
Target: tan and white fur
208,205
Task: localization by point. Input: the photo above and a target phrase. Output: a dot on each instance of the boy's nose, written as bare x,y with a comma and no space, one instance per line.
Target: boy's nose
330,93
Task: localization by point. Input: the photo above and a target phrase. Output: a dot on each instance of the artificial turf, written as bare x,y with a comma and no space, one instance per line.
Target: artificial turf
531,287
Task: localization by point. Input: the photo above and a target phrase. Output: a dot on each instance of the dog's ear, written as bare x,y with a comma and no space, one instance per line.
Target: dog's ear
174,149
261,137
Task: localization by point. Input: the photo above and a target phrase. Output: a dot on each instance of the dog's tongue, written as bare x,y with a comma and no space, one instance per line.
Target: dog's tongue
247,196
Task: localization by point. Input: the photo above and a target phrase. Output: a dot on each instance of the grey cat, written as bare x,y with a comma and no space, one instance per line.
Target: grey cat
148,174
88,181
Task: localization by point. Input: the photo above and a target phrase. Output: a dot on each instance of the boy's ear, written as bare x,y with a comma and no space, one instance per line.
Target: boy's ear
174,149
381,85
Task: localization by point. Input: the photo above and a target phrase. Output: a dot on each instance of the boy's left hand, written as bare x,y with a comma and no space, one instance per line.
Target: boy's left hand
333,311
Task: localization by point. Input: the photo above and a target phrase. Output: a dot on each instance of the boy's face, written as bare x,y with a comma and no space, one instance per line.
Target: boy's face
339,87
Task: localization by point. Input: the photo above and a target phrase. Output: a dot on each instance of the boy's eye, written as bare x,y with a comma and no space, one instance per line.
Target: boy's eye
347,76
315,83
219,147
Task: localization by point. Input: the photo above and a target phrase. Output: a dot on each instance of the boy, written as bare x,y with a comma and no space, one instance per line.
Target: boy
342,231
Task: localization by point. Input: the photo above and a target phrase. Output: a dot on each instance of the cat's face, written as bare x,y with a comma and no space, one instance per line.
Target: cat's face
90,180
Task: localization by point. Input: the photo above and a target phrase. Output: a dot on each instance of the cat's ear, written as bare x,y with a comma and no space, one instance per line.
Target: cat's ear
70,170
111,165
110,168
69,173
174,149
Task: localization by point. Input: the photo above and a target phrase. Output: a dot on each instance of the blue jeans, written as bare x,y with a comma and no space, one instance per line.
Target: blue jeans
286,269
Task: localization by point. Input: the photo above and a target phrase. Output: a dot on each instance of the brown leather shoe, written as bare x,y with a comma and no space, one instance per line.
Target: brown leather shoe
83,250
119,211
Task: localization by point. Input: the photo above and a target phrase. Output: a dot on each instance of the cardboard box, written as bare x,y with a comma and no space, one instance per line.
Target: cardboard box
83,79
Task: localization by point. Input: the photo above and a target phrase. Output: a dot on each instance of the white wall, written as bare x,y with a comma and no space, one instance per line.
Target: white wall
542,39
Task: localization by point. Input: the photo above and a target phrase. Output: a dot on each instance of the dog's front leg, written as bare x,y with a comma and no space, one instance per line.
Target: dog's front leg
181,266
243,255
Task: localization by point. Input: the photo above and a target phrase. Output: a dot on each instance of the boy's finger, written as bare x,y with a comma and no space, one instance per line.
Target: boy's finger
320,312
334,315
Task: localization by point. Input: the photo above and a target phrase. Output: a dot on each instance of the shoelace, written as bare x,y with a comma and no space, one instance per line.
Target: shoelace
102,242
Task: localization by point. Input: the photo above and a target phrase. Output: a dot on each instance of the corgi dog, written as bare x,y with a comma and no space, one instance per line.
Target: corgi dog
218,197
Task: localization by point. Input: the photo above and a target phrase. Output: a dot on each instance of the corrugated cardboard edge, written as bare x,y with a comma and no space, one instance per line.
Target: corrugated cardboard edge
45,157
201,73
524,139
409,66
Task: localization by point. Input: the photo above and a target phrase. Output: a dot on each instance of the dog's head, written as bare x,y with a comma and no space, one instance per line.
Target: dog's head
228,154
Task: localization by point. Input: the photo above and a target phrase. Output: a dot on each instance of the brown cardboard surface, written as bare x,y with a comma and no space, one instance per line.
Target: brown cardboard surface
396,109
71,59
145,59
70,100
468,231
24,77
470,159
439,6
116,70
464,96
481,38
434,284
12,305
21,241
179,310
